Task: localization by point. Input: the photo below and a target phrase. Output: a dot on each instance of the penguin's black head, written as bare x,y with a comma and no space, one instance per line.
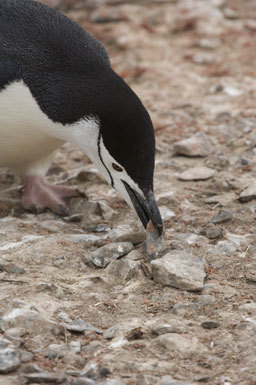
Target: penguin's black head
126,148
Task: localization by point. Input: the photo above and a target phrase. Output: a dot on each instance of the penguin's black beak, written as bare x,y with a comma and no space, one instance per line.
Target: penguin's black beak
146,208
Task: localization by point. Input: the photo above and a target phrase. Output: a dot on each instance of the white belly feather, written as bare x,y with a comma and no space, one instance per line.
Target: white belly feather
24,131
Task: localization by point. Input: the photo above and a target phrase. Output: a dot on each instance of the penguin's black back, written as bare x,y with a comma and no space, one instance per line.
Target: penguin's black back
40,38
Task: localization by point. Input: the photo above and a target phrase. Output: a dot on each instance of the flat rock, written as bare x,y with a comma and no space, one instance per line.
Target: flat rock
197,173
249,193
212,231
29,320
81,326
211,324
121,271
44,378
221,217
9,360
103,256
134,237
168,328
177,343
179,269
197,145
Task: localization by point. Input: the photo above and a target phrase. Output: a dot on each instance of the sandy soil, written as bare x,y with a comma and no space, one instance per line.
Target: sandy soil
192,63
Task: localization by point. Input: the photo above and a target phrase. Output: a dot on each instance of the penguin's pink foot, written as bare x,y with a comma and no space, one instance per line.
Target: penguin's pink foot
39,195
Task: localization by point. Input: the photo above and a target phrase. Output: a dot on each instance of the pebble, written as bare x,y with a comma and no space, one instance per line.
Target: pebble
179,269
206,299
222,199
74,360
210,324
44,378
249,193
103,256
25,356
226,247
249,308
196,145
110,332
84,207
212,231
209,43
57,351
83,381
197,173
95,371
74,346
166,213
9,360
221,217
177,343
168,328
123,270
81,326
11,268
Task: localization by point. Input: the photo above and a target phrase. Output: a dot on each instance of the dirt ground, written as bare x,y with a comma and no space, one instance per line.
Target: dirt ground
192,62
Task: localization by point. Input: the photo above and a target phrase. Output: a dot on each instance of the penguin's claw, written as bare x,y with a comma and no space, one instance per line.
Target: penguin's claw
39,195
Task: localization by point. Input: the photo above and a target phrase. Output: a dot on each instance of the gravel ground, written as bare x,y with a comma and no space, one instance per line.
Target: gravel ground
79,303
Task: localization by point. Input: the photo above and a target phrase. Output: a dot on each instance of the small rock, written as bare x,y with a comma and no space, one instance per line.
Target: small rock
110,332
181,345
30,320
135,334
226,247
210,324
212,231
9,360
74,218
44,378
83,381
94,371
84,207
206,299
100,228
249,193
11,268
249,308
74,346
209,43
179,269
221,217
81,326
121,271
168,328
103,256
166,213
197,173
26,356
197,145
74,359
57,351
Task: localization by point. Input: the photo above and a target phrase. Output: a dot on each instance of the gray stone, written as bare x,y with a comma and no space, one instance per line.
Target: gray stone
249,193
85,207
81,326
168,328
187,347
83,381
121,271
25,356
29,320
95,371
206,299
212,231
11,268
221,217
57,351
179,269
44,378
110,332
166,213
74,360
103,256
226,247
74,346
197,145
210,324
197,173
9,360
249,308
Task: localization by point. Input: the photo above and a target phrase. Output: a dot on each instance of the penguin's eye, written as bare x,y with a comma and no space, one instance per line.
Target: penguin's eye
116,167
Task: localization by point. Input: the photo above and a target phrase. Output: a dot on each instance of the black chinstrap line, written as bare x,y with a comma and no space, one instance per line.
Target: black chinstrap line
102,161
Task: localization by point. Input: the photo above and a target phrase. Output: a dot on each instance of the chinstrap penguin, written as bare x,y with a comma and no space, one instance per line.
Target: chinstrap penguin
57,85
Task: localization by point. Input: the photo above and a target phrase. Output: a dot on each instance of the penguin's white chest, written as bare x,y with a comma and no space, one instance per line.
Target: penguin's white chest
24,128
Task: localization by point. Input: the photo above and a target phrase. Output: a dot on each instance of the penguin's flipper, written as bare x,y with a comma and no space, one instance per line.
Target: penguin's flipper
39,195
